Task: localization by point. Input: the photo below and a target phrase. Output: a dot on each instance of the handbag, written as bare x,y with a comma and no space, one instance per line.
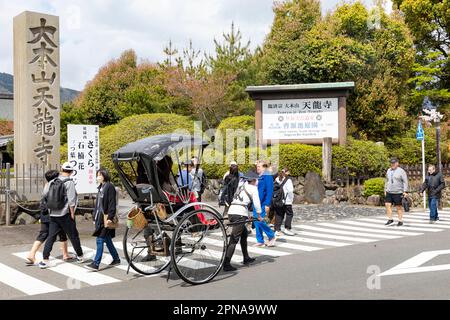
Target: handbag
114,224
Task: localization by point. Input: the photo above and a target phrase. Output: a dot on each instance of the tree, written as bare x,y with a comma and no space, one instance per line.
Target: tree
233,58
122,88
343,46
429,22
205,90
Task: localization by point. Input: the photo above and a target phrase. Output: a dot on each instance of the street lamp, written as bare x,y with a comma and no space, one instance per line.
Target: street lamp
432,115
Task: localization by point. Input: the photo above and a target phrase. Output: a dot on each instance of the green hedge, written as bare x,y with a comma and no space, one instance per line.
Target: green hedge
374,186
239,122
361,157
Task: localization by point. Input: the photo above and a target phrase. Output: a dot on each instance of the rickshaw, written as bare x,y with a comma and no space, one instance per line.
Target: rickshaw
168,227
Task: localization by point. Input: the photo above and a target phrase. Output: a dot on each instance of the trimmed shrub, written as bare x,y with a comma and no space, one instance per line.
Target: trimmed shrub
361,157
301,158
215,163
239,122
374,186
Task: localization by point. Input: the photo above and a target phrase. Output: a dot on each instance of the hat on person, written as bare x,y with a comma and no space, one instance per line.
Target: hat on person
251,175
394,160
67,167
233,163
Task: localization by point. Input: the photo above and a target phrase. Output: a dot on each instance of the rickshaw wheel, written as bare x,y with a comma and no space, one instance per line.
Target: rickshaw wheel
198,250
136,247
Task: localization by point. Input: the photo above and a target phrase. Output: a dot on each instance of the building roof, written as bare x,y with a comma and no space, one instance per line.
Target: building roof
302,87
6,96
5,139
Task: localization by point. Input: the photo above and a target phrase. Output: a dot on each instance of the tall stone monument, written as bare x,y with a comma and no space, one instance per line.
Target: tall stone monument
36,90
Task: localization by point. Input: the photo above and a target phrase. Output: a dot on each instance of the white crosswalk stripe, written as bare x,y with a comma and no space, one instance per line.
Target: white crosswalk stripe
309,237
419,219
73,271
315,241
334,236
23,282
355,233
410,226
361,226
290,246
379,226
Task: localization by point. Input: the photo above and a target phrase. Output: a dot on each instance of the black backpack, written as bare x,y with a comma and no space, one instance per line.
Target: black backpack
203,182
278,194
227,191
56,197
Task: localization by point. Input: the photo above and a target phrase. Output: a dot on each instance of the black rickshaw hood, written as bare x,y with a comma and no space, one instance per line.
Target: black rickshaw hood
156,147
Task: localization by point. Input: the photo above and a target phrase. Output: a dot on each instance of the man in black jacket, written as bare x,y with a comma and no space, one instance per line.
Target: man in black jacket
434,184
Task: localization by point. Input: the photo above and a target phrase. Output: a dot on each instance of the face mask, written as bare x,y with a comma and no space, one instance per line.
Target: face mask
100,179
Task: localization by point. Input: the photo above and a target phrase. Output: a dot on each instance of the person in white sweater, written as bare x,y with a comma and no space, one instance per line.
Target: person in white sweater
286,209
238,213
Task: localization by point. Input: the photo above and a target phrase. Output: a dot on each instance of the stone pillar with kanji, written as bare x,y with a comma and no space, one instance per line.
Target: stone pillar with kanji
36,90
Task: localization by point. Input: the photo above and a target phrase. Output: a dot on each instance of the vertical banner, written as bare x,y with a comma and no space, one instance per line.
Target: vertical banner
84,155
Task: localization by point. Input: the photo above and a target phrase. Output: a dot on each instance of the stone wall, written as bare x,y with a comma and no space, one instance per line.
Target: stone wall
311,190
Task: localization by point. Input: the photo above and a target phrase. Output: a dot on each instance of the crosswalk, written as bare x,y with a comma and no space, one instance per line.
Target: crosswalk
16,279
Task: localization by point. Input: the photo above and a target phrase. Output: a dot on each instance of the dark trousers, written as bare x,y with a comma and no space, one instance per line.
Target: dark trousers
44,232
66,224
238,232
279,216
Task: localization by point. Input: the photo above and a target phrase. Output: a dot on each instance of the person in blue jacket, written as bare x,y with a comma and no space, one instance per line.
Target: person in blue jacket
265,190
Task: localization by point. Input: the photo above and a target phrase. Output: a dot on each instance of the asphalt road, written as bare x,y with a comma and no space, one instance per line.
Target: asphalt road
333,272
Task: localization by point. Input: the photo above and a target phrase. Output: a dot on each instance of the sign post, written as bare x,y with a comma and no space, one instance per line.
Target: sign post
84,156
420,136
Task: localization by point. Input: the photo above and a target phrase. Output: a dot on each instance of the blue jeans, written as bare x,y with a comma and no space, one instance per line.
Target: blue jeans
109,245
433,204
260,227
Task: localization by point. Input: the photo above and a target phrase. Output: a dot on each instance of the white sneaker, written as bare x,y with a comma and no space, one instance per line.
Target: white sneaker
271,243
80,259
278,234
258,244
288,232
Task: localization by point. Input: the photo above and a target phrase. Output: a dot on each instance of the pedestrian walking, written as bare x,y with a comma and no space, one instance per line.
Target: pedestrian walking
44,220
434,184
61,199
199,179
105,211
395,188
230,185
240,207
185,176
282,199
265,190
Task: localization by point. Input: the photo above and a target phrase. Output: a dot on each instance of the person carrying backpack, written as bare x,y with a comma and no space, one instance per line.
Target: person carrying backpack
61,198
45,226
282,199
199,179
230,185
245,196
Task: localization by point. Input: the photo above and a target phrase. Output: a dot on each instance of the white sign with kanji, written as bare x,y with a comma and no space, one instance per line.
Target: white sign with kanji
84,156
300,119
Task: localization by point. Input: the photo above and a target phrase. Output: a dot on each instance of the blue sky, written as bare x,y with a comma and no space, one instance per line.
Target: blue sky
95,31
